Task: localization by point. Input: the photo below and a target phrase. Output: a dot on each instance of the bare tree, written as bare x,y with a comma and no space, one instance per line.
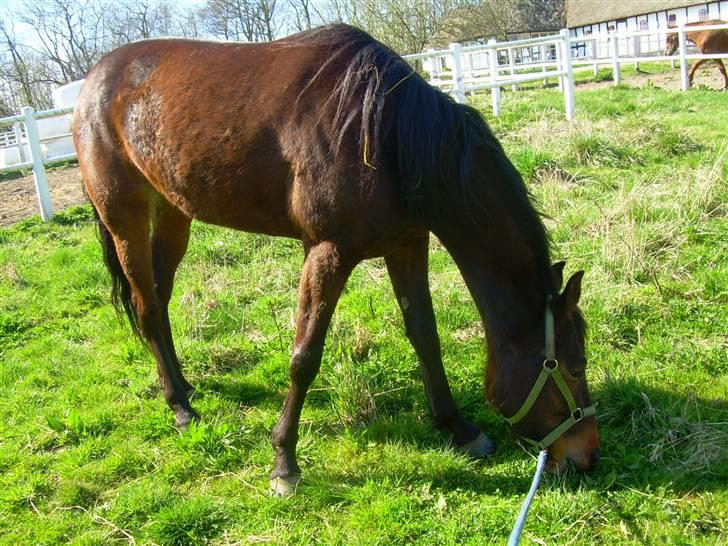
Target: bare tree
15,69
302,11
189,24
70,34
140,20
243,20
407,26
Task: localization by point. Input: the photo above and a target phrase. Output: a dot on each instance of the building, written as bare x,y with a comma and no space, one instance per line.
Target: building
599,16
588,17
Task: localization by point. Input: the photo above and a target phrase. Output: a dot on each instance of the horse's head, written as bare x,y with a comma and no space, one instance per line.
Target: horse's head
539,383
671,44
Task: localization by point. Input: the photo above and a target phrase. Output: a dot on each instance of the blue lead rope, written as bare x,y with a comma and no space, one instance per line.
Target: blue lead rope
515,537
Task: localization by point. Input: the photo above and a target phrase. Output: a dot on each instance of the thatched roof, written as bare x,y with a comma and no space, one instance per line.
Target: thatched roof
537,16
587,12
499,18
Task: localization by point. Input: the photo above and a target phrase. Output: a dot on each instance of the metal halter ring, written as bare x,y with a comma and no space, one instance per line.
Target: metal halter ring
550,364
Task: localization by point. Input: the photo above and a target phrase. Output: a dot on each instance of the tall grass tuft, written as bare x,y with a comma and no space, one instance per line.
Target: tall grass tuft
187,522
351,397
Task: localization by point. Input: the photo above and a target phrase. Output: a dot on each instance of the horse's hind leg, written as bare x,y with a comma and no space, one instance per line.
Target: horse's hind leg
125,204
170,235
407,268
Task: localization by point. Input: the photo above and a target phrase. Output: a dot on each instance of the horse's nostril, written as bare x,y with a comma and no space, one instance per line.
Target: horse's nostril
595,456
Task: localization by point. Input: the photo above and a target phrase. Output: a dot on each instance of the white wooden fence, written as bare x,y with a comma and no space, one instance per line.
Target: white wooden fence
35,154
472,68
464,69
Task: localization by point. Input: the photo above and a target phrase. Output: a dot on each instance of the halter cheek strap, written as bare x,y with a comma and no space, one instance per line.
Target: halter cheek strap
551,369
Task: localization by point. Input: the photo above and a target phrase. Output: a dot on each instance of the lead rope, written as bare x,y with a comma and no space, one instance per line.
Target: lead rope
550,353
515,537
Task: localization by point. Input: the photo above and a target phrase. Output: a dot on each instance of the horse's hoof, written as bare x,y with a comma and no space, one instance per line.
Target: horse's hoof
480,448
284,486
183,418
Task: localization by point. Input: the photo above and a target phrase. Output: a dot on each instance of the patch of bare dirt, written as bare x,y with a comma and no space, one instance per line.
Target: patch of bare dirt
18,199
707,75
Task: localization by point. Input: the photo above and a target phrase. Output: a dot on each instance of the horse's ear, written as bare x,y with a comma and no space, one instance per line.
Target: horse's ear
569,298
557,270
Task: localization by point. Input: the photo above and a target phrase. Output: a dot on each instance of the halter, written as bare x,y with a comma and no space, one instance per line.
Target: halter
551,369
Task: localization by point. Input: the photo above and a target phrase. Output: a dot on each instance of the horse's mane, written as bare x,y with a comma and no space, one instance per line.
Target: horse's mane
430,139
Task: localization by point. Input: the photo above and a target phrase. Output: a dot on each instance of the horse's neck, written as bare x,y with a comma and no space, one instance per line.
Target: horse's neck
508,287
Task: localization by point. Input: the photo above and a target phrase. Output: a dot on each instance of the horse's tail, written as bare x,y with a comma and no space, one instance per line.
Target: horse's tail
120,287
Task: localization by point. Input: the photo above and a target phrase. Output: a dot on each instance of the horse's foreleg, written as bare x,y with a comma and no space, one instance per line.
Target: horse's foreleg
325,272
170,235
693,69
407,268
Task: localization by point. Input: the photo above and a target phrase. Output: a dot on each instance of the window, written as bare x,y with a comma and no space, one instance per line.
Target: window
703,14
672,20
643,24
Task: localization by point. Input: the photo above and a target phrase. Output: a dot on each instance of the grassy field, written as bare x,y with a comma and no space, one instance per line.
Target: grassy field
636,192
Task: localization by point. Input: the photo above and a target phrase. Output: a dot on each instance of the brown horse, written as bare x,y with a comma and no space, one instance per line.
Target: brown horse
708,41
330,138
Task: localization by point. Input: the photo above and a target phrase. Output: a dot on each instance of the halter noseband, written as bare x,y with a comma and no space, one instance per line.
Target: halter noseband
551,369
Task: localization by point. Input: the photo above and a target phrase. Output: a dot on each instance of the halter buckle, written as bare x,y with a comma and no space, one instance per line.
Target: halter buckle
550,365
578,415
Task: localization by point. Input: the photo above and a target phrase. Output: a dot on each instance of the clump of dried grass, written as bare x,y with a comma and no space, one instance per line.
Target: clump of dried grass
680,439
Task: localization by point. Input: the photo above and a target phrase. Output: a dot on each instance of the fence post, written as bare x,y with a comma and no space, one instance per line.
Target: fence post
560,65
683,47
637,51
543,62
458,76
569,101
19,141
595,46
511,66
616,70
468,65
39,173
434,67
495,92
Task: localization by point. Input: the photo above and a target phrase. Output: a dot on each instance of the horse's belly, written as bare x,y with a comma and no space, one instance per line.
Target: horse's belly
253,204
236,212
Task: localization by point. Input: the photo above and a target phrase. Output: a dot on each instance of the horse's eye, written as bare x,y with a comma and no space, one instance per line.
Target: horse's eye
577,373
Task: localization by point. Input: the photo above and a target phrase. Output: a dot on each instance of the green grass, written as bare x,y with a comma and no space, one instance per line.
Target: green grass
636,191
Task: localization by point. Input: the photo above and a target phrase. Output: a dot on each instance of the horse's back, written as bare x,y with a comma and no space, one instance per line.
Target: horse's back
710,41
716,40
